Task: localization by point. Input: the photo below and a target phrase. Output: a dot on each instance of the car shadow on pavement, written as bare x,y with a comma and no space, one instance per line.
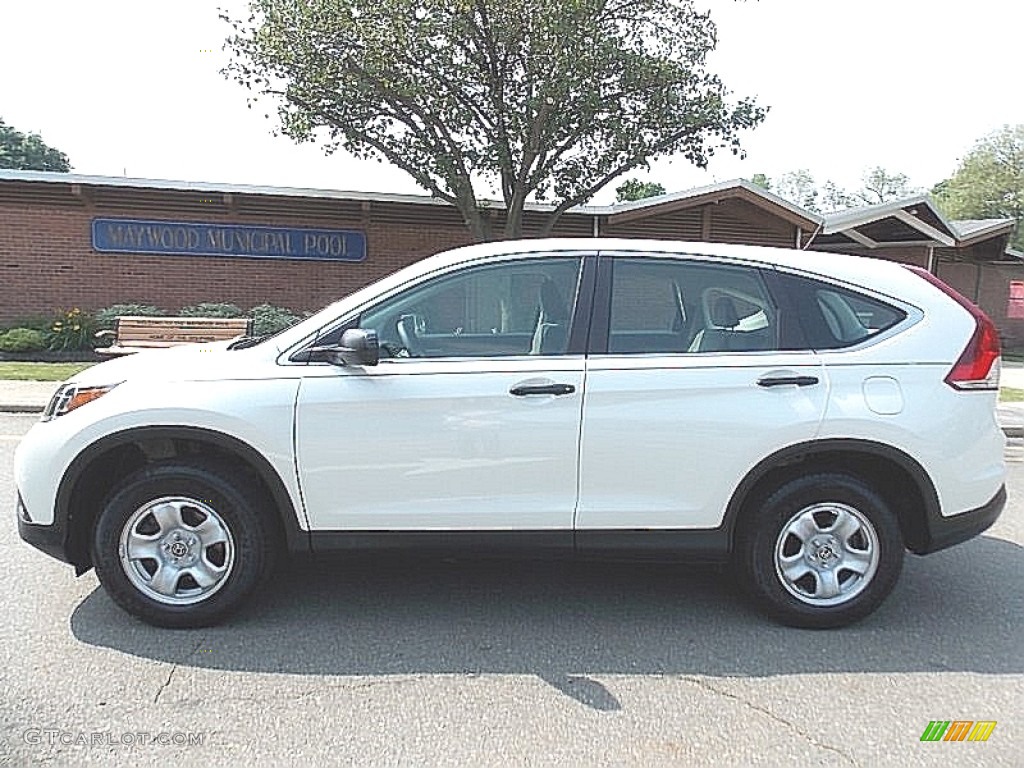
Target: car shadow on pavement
959,610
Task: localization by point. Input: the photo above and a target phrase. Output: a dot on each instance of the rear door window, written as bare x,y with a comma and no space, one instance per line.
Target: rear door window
663,306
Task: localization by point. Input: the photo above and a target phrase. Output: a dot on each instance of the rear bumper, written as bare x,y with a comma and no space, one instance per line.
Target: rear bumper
946,531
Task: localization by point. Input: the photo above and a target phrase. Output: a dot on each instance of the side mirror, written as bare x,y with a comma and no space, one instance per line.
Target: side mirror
358,347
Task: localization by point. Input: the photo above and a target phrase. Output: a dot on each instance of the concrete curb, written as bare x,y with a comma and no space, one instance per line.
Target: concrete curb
22,408
26,396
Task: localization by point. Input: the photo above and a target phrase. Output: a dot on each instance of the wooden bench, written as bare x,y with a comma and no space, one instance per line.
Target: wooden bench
133,334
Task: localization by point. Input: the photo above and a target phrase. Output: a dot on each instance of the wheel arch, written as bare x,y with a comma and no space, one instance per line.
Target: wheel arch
94,471
900,479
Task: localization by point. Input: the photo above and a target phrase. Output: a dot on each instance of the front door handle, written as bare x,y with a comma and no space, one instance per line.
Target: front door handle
781,381
543,389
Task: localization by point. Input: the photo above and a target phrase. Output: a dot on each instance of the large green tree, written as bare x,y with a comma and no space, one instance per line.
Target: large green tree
989,182
547,100
28,152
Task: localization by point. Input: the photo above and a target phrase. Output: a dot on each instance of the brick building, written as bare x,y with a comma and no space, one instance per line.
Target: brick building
71,240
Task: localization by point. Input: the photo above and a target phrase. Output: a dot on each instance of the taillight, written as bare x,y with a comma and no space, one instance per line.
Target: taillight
978,366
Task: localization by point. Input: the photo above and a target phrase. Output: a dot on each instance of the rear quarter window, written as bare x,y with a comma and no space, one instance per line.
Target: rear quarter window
833,317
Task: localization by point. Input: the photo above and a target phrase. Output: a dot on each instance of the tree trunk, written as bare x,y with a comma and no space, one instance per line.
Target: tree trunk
550,222
514,214
472,218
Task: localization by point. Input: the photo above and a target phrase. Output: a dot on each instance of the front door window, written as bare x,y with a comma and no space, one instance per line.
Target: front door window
518,308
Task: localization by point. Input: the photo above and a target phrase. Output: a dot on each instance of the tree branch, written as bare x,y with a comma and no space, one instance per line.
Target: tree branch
586,193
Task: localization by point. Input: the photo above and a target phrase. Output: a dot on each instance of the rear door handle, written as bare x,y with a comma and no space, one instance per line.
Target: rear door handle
544,389
782,381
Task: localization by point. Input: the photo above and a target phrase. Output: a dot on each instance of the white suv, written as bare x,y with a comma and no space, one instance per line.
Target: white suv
809,416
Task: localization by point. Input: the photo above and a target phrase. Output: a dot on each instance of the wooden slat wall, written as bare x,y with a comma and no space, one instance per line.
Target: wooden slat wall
680,225
737,221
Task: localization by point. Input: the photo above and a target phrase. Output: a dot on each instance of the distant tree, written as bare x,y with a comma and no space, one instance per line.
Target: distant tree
761,180
798,187
634,189
549,99
28,152
989,182
835,198
880,186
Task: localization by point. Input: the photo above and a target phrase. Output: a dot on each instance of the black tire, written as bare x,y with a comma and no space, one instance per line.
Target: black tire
246,555
805,601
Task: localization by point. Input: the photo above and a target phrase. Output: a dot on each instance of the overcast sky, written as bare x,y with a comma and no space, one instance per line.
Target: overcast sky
132,87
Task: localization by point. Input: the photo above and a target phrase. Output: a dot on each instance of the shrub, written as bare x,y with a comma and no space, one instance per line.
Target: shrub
22,340
105,317
35,322
268,319
212,309
71,329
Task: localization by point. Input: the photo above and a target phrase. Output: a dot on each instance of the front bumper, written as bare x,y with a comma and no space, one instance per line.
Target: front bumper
46,538
944,532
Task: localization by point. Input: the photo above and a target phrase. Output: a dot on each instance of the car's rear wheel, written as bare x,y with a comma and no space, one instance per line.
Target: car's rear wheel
182,544
823,551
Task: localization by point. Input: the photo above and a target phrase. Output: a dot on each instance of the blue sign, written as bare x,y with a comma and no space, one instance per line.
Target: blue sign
203,239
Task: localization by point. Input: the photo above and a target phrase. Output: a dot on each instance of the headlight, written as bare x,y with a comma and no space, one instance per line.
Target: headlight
71,396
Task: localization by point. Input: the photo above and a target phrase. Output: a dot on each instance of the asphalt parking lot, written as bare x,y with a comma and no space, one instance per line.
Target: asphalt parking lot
405,662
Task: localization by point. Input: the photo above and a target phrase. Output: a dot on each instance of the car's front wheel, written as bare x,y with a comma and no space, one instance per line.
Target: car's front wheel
823,551
182,544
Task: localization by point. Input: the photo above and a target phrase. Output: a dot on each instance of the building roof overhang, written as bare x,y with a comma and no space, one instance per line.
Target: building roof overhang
83,180
974,231
714,193
918,214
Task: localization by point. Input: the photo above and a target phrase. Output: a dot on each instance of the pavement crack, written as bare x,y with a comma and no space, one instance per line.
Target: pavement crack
174,668
768,713
166,682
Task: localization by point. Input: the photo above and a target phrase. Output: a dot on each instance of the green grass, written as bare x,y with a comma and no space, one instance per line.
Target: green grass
40,371
1011,395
